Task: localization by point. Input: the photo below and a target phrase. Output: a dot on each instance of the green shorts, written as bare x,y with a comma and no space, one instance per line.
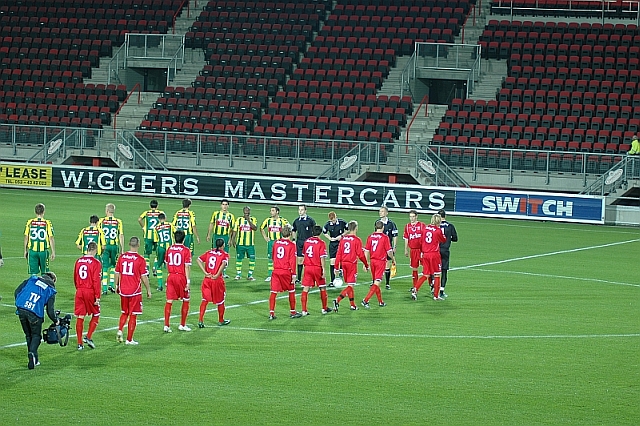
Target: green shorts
246,251
225,238
110,256
160,255
188,241
149,247
270,249
38,262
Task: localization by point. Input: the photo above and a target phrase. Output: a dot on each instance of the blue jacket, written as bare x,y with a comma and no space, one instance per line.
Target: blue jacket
36,293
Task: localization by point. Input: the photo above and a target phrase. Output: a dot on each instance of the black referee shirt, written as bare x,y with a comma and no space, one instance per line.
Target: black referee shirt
390,230
303,227
334,230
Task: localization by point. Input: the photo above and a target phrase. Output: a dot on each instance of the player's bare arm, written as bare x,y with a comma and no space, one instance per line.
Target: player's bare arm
187,272
145,281
141,222
209,231
264,235
26,246
52,243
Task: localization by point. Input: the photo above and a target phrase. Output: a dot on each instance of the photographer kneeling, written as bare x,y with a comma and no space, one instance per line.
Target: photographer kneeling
31,298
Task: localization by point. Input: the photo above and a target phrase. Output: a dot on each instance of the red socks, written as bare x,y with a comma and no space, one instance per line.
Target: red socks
123,319
221,312
203,308
323,297
93,324
184,312
372,291
167,313
79,329
303,299
378,294
292,302
436,286
132,327
420,282
272,303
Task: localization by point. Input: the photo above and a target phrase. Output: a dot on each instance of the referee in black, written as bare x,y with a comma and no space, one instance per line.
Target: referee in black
452,236
390,230
333,230
303,229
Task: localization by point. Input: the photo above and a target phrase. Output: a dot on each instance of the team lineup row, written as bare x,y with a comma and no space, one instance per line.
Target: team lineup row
172,243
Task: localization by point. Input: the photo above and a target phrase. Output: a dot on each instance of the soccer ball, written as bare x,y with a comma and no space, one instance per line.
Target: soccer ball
338,282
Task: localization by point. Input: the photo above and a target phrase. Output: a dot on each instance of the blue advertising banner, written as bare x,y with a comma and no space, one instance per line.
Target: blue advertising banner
530,205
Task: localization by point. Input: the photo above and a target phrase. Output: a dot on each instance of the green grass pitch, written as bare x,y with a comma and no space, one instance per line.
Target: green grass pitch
542,326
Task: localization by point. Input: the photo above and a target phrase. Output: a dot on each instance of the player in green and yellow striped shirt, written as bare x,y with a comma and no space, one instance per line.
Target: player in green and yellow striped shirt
221,227
271,229
148,220
114,239
185,220
244,229
163,237
91,234
39,242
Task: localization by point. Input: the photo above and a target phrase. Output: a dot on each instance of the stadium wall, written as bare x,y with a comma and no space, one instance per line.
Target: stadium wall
320,193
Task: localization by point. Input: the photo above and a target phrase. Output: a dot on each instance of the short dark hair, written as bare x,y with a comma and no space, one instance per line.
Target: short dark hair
276,208
186,203
94,219
179,236
379,224
413,212
39,208
442,213
134,242
92,246
162,216
50,276
317,230
224,200
219,243
153,204
352,225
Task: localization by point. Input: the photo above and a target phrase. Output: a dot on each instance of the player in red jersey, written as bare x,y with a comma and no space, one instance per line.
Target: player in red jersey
131,268
378,250
431,261
178,261
283,277
314,251
349,251
87,277
213,264
413,243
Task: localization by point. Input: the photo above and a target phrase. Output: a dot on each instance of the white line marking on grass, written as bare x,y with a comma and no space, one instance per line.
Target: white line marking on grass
559,276
553,253
435,336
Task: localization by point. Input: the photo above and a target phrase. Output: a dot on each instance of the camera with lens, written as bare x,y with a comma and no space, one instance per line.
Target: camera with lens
58,333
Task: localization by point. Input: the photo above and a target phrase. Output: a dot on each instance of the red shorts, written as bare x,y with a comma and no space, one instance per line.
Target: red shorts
281,281
85,303
377,269
349,272
415,255
131,305
312,276
214,291
176,285
431,263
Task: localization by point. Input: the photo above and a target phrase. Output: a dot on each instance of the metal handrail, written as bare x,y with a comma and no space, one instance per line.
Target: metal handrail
443,171
115,116
424,101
